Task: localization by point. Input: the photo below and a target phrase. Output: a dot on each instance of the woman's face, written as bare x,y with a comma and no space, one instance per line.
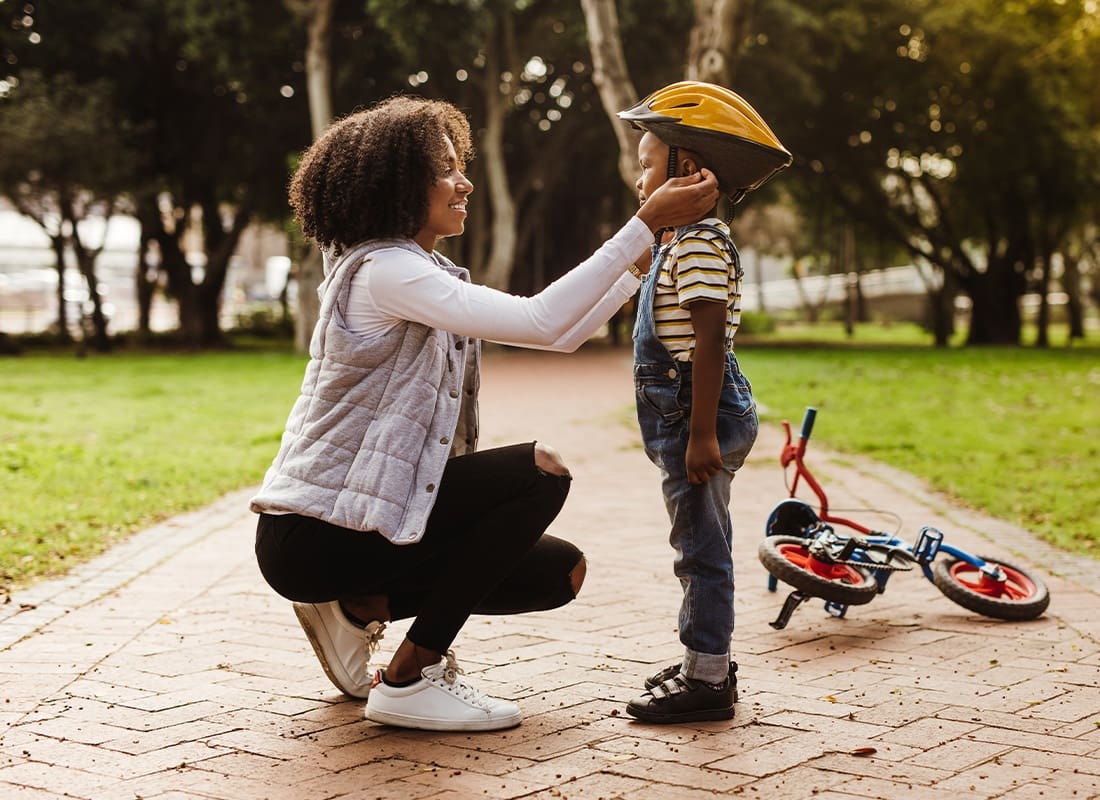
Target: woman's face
446,203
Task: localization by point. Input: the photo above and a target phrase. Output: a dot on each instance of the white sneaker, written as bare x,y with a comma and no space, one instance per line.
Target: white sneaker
343,648
440,701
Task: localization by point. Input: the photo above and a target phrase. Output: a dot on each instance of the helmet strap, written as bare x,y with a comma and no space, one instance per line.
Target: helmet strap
673,159
673,168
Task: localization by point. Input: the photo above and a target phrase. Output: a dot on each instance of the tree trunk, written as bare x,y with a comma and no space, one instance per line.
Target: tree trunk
810,309
220,243
318,16
612,79
144,286
208,310
995,308
85,262
1071,283
714,44
1042,255
1043,335
847,265
181,287
502,253
145,277
58,245
310,273
319,65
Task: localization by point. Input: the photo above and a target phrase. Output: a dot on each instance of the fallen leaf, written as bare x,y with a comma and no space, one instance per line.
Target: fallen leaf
863,751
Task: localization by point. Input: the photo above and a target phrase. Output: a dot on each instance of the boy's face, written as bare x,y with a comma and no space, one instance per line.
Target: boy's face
653,159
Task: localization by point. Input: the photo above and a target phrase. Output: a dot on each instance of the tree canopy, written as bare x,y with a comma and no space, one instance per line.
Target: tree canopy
964,134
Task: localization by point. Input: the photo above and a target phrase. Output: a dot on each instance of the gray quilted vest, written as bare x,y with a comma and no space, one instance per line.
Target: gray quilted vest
377,418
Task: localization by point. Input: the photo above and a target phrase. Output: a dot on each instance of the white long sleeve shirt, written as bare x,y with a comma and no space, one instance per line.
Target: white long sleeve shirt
396,284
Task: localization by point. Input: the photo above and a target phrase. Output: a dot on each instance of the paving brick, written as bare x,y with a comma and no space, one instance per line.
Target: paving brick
802,782
167,668
993,779
959,754
901,789
929,733
605,786
11,791
1051,759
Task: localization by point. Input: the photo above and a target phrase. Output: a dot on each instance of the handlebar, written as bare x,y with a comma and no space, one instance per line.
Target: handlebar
793,451
808,423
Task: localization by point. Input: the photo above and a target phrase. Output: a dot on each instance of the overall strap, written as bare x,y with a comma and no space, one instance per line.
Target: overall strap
696,227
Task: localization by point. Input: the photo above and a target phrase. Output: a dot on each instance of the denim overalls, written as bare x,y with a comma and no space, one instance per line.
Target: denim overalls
701,534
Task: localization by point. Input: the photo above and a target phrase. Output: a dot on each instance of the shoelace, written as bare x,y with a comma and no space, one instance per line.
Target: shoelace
375,633
451,671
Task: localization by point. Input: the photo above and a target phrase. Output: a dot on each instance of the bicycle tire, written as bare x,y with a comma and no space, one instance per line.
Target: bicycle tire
788,559
1021,597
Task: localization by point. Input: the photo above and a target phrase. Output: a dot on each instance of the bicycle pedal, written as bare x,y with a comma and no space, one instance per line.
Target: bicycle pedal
928,544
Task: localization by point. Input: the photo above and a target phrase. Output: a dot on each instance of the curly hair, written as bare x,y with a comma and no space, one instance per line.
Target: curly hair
368,175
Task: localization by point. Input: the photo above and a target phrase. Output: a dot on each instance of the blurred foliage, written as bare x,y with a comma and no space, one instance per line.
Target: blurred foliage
963,136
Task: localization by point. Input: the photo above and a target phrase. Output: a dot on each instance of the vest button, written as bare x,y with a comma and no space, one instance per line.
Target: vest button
444,440
672,373
430,487
453,393
459,345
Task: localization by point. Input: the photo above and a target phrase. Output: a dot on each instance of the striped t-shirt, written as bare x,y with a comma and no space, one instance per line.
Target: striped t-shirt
703,265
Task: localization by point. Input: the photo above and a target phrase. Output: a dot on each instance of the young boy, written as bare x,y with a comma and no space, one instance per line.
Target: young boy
695,408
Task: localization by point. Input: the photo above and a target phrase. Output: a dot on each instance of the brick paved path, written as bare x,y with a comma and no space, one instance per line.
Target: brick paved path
167,669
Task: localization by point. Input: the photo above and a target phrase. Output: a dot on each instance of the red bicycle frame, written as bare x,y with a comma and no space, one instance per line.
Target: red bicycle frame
793,452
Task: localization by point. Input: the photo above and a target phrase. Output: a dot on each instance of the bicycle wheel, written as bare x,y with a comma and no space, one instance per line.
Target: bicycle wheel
1020,596
788,558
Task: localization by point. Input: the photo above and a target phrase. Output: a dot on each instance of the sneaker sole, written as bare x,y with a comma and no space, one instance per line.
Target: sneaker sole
703,715
314,632
430,724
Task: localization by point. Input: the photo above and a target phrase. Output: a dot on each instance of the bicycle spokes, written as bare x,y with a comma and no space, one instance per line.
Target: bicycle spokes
996,582
801,556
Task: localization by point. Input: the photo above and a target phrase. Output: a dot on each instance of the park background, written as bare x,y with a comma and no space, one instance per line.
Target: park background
927,272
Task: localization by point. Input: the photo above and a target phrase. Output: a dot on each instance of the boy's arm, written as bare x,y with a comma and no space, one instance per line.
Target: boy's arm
704,458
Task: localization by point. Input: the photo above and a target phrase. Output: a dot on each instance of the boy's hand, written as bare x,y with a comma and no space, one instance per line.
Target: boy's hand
680,201
704,459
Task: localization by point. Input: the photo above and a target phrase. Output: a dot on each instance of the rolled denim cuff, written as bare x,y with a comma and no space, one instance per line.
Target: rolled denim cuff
706,667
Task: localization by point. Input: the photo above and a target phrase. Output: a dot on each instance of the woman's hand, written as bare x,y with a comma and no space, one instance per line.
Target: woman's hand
679,201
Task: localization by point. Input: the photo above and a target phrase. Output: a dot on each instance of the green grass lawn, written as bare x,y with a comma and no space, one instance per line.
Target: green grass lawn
93,449
1010,431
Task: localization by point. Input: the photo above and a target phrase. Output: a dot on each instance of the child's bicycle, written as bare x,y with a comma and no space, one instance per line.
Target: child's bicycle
802,547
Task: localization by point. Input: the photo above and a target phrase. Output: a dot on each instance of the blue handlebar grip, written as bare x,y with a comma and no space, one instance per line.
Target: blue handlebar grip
808,423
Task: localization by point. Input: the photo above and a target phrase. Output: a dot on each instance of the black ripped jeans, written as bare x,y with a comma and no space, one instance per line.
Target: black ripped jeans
484,550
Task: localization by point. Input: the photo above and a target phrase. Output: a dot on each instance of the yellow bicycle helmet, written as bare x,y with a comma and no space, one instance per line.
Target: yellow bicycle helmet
719,125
